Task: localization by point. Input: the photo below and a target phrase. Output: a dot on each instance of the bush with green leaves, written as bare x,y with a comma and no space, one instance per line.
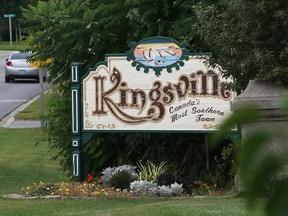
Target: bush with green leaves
121,180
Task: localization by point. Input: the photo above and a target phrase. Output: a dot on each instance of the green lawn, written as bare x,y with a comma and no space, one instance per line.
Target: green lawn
128,206
32,112
25,159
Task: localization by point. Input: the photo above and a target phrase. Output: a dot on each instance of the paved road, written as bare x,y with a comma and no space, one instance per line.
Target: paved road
14,94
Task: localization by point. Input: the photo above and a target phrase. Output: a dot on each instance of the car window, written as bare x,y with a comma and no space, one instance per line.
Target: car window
20,55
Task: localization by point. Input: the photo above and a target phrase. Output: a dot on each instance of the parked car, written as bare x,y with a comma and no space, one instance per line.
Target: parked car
18,67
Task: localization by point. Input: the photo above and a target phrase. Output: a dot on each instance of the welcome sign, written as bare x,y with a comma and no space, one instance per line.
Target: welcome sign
156,86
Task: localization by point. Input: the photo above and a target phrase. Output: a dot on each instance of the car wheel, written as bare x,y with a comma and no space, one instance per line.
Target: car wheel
7,79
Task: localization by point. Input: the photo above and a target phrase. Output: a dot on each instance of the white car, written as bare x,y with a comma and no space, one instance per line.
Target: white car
18,67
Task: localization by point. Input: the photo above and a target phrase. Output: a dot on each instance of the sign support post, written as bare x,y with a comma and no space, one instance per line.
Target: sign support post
77,152
9,16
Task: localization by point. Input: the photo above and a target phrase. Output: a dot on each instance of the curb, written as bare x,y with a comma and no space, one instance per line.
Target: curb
20,196
9,120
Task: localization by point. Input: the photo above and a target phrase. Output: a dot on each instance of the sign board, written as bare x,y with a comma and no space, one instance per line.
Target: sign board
190,97
157,86
9,15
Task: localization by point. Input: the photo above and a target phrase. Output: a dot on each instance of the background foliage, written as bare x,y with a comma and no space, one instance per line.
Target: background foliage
247,38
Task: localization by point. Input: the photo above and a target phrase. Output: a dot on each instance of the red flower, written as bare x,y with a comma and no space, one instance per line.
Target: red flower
100,177
90,177
196,185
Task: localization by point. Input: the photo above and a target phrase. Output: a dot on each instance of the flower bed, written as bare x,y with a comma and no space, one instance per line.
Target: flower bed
124,181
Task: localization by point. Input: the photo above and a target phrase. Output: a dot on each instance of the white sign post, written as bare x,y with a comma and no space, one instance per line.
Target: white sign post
9,16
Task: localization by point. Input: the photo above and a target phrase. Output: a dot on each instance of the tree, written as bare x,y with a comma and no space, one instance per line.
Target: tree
247,38
66,32
69,31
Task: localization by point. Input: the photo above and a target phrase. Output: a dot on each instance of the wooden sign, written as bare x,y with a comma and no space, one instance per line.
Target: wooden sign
156,86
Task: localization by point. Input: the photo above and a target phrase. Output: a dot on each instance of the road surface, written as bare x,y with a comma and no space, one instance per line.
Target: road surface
14,94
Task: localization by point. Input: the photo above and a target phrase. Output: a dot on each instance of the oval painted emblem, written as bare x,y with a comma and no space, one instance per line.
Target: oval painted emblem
157,52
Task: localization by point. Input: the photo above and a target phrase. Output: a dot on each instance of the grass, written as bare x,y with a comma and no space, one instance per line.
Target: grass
32,112
20,45
25,159
126,207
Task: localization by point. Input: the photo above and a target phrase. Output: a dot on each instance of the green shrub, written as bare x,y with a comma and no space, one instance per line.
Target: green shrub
121,180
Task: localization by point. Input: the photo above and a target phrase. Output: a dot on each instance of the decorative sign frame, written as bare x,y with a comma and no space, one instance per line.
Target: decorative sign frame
156,87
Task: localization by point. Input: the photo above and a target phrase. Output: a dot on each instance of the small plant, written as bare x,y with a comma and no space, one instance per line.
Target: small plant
142,187
90,177
177,189
151,189
169,178
151,171
166,179
121,180
201,188
40,189
167,191
109,172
